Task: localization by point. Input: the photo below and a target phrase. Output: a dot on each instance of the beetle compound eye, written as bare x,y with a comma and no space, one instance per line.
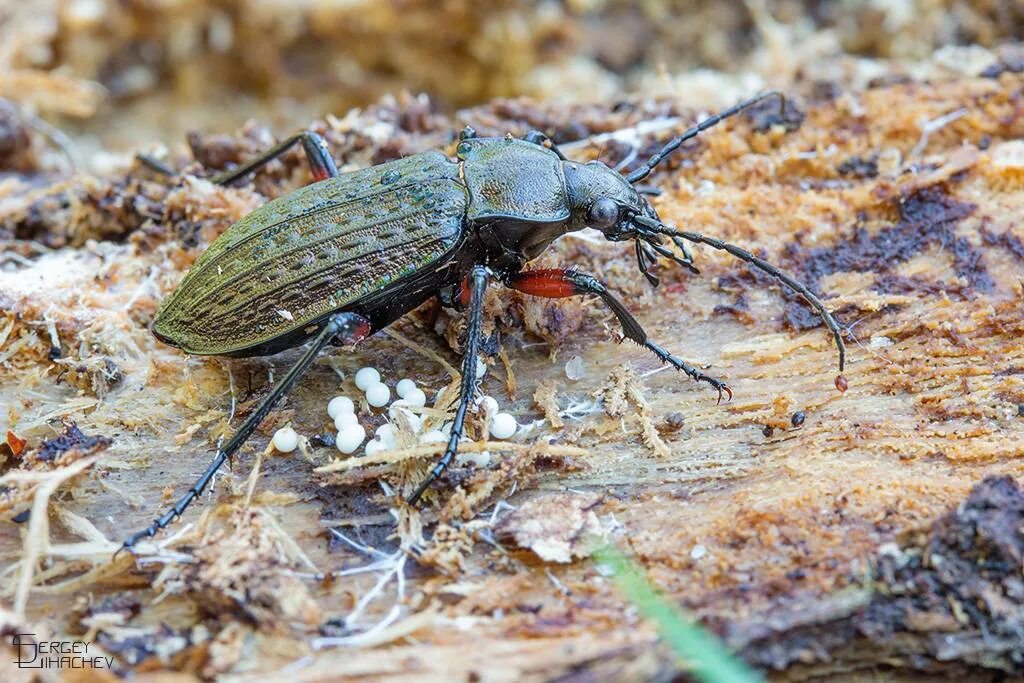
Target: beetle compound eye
603,213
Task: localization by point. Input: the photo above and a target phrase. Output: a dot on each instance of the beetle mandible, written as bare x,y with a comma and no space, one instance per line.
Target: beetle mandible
342,258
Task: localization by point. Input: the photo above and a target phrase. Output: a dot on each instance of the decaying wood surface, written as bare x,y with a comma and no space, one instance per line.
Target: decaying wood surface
863,540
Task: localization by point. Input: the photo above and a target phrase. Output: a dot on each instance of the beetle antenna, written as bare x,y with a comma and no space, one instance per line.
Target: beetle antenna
648,227
639,174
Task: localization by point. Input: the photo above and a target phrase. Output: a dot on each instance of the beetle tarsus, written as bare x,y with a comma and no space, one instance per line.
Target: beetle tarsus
350,326
680,364
477,282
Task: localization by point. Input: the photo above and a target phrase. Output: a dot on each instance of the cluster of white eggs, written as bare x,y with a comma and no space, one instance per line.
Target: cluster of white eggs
351,434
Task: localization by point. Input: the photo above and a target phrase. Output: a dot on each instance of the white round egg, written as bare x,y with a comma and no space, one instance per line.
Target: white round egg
350,438
488,404
345,420
285,440
503,426
482,459
366,377
378,394
433,436
375,446
386,434
404,386
339,405
415,397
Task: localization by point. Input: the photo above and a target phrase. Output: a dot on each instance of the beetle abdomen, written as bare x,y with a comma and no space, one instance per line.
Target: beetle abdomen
323,248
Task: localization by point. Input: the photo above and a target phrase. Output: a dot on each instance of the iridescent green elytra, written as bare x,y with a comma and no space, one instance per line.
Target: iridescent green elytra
330,245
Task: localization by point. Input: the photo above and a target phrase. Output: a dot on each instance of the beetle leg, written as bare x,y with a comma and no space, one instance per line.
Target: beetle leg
320,161
477,285
564,282
348,326
539,138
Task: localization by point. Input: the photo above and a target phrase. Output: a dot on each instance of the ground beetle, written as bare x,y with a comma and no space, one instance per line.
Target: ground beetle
342,258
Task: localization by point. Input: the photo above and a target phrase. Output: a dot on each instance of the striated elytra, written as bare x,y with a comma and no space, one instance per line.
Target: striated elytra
342,258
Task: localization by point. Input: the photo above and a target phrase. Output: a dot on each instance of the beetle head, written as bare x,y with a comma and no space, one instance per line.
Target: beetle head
602,199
